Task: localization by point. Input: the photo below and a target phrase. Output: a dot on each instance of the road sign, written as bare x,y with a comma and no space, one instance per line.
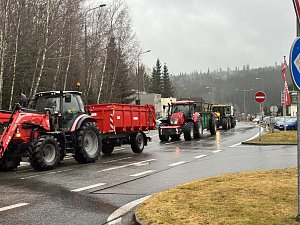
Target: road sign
274,109
295,62
260,96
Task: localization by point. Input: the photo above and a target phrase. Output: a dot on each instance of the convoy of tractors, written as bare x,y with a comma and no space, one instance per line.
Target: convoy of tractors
54,123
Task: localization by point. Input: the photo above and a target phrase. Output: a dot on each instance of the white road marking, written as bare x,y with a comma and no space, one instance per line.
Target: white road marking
216,151
255,136
142,173
178,163
199,156
127,165
88,187
13,206
116,160
39,175
116,216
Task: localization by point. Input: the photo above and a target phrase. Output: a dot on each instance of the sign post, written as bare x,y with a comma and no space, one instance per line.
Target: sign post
260,97
295,73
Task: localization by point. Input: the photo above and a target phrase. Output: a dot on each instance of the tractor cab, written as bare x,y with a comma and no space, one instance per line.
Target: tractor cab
63,106
185,107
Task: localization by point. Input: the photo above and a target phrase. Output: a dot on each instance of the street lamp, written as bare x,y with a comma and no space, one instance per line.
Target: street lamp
262,82
212,94
85,40
245,90
138,102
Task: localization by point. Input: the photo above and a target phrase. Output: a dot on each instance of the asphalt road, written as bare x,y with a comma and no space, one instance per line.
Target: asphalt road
107,192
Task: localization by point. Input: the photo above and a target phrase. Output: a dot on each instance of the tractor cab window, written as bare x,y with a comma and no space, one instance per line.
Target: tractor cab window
49,102
71,109
186,109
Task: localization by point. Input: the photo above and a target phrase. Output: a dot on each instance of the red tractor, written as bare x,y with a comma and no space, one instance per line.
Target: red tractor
56,123
182,118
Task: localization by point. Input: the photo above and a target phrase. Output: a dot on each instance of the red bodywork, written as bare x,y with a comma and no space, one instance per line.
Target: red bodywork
20,128
114,117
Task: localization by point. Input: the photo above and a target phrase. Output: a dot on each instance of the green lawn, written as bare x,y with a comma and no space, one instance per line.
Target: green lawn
278,137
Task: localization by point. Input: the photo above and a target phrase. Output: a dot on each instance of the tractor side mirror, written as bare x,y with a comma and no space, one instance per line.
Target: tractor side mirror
164,107
68,97
23,100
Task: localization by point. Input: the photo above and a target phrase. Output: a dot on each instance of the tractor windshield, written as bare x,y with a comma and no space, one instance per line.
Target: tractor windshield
46,102
186,109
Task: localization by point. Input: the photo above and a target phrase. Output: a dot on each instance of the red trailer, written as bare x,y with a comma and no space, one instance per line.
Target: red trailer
58,123
123,124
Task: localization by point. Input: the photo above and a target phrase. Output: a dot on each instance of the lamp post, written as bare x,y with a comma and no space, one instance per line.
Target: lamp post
245,90
262,82
138,101
85,40
212,94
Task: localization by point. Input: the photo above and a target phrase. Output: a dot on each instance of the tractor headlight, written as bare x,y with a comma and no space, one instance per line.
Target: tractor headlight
174,121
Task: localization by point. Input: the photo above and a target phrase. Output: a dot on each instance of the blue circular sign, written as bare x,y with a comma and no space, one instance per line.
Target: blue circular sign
295,62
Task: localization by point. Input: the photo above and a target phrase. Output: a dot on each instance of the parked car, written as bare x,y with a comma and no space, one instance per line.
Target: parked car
257,119
290,123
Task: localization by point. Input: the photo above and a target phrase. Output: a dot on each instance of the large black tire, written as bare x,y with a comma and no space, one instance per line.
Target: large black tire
233,122
175,137
164,137
45,153
212,126
225,124
107,149
137,142
188,131
88,144
9,163
198,129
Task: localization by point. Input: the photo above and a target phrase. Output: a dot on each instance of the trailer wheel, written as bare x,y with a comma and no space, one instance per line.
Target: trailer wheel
225,124
164,137
45,153
107,149
212,126
188,131
198,130
137,142
9,163
88,143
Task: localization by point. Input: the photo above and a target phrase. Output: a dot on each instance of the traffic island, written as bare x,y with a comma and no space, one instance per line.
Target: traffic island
262,197
275,138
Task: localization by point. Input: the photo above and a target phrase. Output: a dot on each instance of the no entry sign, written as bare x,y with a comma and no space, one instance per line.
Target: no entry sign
260,96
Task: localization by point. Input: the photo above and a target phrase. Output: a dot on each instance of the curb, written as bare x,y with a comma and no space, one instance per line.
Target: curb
137,221
246,143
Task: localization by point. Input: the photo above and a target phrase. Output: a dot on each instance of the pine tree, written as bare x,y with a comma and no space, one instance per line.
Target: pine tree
156,82
167,87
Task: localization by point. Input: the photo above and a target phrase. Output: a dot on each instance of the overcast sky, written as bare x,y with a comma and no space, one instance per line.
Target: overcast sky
200,34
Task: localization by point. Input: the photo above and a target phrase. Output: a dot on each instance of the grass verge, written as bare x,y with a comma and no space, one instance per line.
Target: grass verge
278,137
262,197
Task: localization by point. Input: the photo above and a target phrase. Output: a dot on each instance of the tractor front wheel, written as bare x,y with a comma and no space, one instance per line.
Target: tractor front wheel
45,153
88,143
9,163
188,131
198,130
212,126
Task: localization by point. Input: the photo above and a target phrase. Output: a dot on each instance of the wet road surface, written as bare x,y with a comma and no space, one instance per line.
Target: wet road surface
106,192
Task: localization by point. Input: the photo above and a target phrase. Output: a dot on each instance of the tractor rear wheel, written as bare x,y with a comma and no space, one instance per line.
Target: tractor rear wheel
225,124
188,131
233,123
88,143
212,126
9,163
137,142
107,149
198,130
45,153
164,137
175,137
